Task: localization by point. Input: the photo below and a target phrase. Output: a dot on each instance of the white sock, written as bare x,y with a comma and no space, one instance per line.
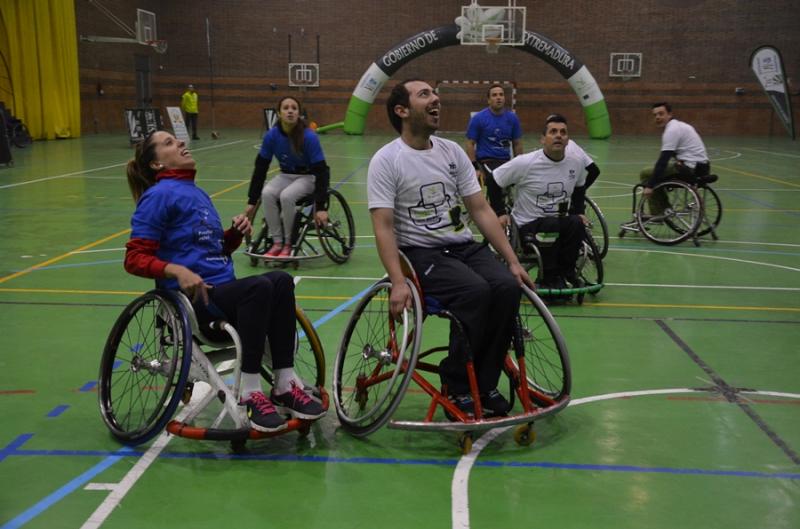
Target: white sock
283,380
251,383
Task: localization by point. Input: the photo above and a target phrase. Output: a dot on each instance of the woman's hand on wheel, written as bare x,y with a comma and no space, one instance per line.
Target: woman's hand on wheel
241,223
189,282
321,218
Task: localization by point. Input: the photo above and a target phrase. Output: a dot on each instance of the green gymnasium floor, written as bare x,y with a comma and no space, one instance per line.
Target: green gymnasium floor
686,394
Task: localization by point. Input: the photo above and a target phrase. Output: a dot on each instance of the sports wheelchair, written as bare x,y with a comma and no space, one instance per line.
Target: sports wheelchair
530,250
691,209
337,239
16,130
378,358
588,266
157,354
597,226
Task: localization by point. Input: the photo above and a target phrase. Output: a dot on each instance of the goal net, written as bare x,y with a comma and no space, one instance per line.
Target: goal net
461,99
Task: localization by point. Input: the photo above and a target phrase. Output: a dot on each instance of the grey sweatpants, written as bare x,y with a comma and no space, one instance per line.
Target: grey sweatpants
278,198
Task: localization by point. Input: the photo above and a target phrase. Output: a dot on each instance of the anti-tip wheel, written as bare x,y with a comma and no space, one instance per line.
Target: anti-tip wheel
465,442
524,435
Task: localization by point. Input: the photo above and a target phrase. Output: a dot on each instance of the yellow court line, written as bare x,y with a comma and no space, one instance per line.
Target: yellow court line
129,293
347,298
67,291
98,242
63,256
762,177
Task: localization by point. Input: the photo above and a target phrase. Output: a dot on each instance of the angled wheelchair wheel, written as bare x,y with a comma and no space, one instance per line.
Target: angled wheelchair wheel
309,357
590,263
20,136
338,238
258,243
375,361
547,367
712,211
597,226
144,367
675,219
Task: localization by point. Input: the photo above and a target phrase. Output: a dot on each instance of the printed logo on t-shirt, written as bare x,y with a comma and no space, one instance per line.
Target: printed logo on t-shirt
207,232
435,210
555,194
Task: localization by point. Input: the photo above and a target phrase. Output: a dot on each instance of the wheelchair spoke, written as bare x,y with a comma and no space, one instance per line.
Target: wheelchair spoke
371,374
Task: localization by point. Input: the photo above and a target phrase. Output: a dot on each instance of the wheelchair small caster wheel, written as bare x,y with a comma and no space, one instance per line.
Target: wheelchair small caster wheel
239,446
187,393
579,298
524,435
304,429
254,261
465,442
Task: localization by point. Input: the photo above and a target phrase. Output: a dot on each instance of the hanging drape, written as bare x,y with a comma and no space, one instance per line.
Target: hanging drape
39,43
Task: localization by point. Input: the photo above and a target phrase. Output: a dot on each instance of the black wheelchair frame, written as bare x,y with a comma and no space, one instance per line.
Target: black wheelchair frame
337,239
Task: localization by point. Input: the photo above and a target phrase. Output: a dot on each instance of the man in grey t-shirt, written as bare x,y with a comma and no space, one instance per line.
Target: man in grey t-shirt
683,156
417,187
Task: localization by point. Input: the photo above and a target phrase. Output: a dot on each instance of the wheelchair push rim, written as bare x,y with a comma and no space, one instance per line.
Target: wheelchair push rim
144,367
679,219
375,361
338,238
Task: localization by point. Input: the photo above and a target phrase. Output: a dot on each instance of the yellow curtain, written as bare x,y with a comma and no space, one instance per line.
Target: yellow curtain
41,49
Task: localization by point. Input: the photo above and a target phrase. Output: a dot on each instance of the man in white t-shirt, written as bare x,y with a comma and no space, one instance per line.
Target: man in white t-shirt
417,186
546,181
683,156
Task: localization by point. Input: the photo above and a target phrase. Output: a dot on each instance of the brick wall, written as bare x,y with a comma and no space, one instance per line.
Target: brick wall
695,55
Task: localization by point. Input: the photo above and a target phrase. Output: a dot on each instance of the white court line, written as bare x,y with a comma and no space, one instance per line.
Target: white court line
119,490
459,488
749,243
86,171
772,152
703,256
719,287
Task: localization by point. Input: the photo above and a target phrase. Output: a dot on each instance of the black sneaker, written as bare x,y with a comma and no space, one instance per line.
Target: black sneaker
464,403
574,281
298,404
494,403
262,413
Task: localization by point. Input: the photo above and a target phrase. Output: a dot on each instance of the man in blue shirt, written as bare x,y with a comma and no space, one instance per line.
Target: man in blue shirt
493,136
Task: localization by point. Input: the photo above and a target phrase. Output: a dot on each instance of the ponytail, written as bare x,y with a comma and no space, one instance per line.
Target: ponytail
141,175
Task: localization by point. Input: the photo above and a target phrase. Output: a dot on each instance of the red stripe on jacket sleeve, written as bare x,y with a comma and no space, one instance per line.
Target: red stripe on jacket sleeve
231,240
141,260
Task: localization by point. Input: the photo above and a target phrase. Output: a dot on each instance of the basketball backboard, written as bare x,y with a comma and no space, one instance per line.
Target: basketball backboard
304,74
480,25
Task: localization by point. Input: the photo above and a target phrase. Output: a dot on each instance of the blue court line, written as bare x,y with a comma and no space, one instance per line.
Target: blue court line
58,410
11,448
89,386
759,202
340,308
414,462
352,173
49,500
76,265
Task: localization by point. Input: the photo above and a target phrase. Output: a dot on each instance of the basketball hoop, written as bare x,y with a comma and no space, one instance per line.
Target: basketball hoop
159,45
493,44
